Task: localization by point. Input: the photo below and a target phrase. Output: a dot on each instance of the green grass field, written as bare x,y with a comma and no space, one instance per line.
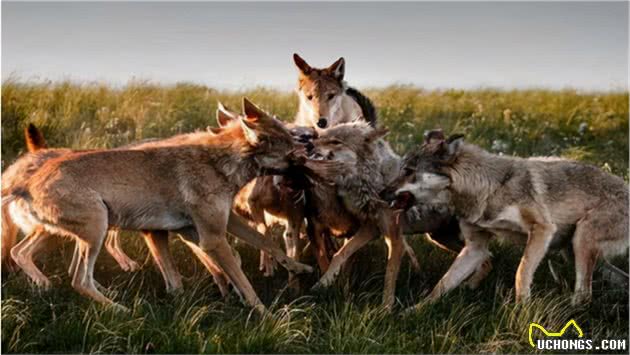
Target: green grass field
592,127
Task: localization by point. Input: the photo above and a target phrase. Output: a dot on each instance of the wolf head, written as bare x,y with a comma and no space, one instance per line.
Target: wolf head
321,92
267,139
278,148
346,143
225,116
424,176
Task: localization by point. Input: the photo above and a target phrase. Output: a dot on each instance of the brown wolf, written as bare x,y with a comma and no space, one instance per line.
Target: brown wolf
37,154
543,202
157,241
186,188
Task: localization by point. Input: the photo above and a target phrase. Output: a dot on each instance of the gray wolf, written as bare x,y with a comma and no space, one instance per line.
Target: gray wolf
541,202
352,207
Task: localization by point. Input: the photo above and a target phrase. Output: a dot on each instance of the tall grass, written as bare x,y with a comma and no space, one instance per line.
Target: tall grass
347,318
585,126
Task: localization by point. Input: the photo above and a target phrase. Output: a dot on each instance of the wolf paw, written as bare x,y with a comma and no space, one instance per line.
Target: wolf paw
43,284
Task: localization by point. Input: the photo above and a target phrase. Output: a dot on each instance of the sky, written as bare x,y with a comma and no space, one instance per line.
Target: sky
580,45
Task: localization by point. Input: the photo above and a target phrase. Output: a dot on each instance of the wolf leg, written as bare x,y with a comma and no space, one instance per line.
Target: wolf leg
112,245
90,235
24,252
469,259
480,273
413,259
157,242
211,228
9,239
396,245
291,241
363,236
189,236
292,236
75,259
267,263
238,227
538,240
586,253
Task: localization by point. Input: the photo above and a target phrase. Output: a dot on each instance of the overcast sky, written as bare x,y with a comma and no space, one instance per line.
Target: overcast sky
237,45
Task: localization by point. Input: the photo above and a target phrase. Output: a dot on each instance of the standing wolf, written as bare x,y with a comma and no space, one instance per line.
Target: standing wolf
324,101
544,202
157,241
187,189
352,207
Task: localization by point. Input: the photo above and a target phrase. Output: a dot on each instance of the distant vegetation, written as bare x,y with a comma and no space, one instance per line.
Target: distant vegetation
347,319
590,127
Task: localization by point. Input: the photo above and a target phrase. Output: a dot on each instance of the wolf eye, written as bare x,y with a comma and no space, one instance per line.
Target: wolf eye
409,171
331,96
309,97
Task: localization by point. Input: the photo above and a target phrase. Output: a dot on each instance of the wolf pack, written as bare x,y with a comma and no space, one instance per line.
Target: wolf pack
329,179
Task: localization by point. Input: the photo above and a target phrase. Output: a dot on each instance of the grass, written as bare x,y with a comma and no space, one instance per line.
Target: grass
347,318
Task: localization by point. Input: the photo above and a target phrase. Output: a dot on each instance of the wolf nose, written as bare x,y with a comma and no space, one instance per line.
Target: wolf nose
322,122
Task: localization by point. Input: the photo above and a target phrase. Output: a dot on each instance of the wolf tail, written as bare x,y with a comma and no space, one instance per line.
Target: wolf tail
34,138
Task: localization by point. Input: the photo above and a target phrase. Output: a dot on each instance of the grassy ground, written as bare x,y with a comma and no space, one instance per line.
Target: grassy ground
346,319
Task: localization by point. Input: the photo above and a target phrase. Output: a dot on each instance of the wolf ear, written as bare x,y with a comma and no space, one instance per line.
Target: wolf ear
252,111
376,133
213,130
338,69
454,142
301,64
224,115
433,136
250,133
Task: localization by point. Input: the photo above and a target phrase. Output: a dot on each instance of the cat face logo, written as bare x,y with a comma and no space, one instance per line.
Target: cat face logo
552,334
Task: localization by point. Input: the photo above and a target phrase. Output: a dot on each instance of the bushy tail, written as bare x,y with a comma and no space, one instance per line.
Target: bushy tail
34,138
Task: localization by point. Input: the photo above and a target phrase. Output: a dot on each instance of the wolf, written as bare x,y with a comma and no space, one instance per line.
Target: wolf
352,207
188,189
37,154
157,241
543,202
325,101
325,98
272,200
